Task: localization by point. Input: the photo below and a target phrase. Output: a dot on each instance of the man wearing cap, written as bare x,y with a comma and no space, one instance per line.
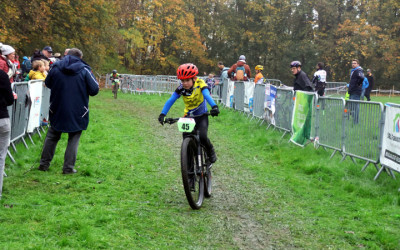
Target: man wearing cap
240,71
6,61
45,54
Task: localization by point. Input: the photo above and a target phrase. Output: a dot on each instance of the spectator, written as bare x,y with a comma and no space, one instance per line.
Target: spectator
370,78
37,73
57,56
6,61
71,82
65,52
319,79
355,87
16,62
240,71
301,80
6,99
45,54
259,76
223,71
26,66
46,67
356,80
365,85
210,81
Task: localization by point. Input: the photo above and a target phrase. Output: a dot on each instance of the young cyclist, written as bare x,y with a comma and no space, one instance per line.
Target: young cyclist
114,82
195,93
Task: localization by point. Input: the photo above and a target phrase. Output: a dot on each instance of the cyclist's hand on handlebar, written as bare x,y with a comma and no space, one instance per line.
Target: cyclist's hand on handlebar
161,119
214,111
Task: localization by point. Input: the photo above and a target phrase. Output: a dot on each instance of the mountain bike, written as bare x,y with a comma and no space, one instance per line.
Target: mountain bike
115,86
195,163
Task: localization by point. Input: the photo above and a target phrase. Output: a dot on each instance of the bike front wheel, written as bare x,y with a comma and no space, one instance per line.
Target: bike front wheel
192,176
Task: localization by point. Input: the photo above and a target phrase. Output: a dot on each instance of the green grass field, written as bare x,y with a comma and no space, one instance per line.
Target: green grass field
127,194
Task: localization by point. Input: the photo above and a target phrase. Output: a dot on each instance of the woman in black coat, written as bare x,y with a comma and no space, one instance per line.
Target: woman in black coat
6,99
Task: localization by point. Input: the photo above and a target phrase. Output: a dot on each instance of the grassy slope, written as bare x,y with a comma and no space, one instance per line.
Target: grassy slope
128,191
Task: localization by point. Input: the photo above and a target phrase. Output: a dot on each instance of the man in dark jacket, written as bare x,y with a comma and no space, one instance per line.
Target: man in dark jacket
370,78
71,82
355,87
301,81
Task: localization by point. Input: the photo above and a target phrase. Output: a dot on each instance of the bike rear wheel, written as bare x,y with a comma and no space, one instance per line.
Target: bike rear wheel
192,177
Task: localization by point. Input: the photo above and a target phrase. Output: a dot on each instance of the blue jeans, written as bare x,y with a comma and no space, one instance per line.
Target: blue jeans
355,107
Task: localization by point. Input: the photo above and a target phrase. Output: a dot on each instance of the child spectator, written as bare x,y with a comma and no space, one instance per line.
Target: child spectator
210,81
46,66
38,71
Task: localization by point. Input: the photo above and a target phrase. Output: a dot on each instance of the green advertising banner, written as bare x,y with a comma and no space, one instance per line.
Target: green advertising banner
301,121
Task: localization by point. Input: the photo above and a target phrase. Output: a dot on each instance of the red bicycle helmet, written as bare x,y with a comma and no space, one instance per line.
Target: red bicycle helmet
187,71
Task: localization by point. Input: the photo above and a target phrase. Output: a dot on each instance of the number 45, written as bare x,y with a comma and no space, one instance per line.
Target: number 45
185,126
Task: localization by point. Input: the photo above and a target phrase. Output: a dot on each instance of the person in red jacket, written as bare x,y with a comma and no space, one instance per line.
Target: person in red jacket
6,61
240,71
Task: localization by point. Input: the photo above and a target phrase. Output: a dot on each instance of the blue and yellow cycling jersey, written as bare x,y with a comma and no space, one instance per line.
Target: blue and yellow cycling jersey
194,98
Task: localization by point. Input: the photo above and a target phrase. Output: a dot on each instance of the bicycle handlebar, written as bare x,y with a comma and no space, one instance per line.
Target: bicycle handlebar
174,120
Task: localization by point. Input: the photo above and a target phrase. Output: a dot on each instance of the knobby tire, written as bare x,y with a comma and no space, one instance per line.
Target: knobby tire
188,168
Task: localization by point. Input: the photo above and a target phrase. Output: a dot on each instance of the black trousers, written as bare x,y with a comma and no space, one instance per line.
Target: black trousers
202,127
50,144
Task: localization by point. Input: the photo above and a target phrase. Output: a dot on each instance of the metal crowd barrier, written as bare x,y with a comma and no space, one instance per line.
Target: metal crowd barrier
259,101
238,95
224,92
329,123
20,111
362,123
334,87
284,109
44,111
275,82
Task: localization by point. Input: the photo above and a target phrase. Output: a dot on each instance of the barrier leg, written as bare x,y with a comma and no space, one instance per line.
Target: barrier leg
23,140
283,134
30,137
40,135
365,166
262,121
13,146
354,161
344,156
379,173
392,174
44,131
10,155
334,152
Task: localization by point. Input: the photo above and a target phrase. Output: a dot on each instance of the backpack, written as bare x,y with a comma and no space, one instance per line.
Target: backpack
240,73
26,66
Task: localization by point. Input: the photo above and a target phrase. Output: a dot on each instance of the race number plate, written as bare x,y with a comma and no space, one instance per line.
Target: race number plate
186,125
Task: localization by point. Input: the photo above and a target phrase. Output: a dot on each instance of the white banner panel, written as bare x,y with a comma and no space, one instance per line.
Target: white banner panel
390,154
248,96
229,96
35,91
